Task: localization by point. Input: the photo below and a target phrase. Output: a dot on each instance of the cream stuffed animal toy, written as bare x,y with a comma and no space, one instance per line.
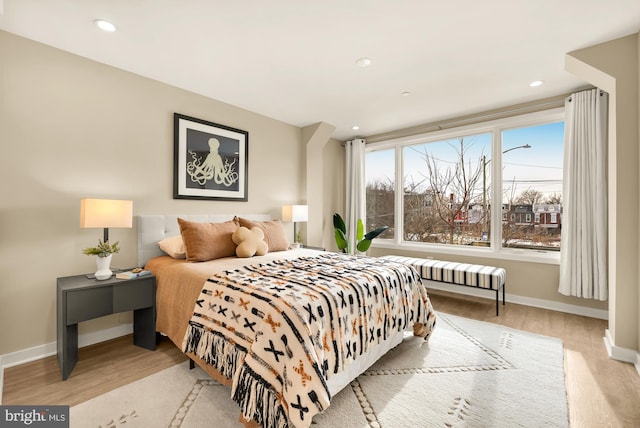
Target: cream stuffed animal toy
249,242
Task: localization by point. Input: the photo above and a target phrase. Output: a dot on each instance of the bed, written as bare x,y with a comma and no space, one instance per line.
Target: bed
286,330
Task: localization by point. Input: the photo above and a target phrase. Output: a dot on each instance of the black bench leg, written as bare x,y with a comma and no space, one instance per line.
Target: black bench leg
498,297
504,286
192,364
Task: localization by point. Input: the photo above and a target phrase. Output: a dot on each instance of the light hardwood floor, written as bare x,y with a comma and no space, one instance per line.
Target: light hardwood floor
601,392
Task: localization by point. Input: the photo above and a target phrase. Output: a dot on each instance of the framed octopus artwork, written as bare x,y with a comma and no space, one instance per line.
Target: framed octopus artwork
210,160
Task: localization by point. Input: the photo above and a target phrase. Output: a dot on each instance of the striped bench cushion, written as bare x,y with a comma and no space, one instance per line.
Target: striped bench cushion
488,277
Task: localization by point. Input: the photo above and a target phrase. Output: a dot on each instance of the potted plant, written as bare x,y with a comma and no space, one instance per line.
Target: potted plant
103,253
297,240
364,240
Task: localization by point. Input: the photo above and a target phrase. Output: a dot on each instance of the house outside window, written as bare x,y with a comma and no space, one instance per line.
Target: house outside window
444,184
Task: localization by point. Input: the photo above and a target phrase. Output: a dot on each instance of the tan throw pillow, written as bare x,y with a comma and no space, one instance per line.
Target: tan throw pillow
250,242
173,246
274,233
207,241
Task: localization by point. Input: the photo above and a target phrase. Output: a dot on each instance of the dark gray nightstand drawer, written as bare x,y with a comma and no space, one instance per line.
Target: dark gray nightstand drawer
133,295
88,304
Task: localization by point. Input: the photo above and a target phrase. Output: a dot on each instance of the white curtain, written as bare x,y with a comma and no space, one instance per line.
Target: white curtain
354,178
583,256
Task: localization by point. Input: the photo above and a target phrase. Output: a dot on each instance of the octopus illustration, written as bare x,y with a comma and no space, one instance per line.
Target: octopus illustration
212,167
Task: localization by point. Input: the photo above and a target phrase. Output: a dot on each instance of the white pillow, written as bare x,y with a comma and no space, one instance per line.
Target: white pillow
174,247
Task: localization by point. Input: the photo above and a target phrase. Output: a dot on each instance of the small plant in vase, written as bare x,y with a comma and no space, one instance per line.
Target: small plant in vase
104,249
297,241
103,253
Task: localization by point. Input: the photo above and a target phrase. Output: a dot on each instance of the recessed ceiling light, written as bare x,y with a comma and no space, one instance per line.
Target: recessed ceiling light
363,62
536,83
105,25
405,94
355,127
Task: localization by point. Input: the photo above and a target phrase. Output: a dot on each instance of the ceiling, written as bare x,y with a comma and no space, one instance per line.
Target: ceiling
295,60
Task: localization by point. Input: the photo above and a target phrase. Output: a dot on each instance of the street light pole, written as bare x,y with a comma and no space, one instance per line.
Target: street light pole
485,162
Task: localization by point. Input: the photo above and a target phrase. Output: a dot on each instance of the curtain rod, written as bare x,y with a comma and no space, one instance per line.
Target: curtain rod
601,93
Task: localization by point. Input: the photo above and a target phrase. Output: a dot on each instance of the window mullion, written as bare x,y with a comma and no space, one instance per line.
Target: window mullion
399,197
496,189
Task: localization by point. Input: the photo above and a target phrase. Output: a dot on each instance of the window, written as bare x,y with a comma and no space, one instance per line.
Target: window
380,191
532,183
441,188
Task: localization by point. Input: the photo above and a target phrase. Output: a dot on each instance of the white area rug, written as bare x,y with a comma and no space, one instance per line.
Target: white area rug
470,374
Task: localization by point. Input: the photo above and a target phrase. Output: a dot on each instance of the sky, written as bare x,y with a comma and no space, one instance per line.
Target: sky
538,167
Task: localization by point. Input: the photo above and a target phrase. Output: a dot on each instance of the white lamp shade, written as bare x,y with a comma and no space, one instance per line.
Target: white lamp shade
295,213
106,213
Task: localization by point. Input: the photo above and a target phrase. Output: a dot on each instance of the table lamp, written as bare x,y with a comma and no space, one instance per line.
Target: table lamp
106,213
295,213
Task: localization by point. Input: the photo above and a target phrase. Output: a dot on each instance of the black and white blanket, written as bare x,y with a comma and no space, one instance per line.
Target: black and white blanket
280,330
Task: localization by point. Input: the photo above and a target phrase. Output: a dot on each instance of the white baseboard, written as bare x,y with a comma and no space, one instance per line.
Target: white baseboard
46,350
521,300
619,353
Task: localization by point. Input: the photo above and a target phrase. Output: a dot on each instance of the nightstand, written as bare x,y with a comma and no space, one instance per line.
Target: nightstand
81,299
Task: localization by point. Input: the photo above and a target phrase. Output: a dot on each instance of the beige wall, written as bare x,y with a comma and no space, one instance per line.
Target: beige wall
320,180
73,128
614,67
334,190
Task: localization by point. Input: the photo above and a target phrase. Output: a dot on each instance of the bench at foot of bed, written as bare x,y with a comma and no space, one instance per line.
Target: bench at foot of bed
477,276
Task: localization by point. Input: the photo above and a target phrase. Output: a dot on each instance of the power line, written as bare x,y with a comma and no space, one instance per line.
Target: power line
532,166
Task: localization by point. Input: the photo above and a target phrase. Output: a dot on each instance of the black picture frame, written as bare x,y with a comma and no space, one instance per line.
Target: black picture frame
210,160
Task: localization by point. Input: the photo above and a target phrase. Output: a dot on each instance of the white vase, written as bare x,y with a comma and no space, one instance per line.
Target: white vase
103,264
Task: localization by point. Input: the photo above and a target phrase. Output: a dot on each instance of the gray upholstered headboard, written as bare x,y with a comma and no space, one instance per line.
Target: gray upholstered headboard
154,228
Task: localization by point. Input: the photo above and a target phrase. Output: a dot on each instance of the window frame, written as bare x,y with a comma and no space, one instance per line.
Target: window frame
495,127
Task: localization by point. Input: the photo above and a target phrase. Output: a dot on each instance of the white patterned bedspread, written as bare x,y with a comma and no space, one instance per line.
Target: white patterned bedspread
281,329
